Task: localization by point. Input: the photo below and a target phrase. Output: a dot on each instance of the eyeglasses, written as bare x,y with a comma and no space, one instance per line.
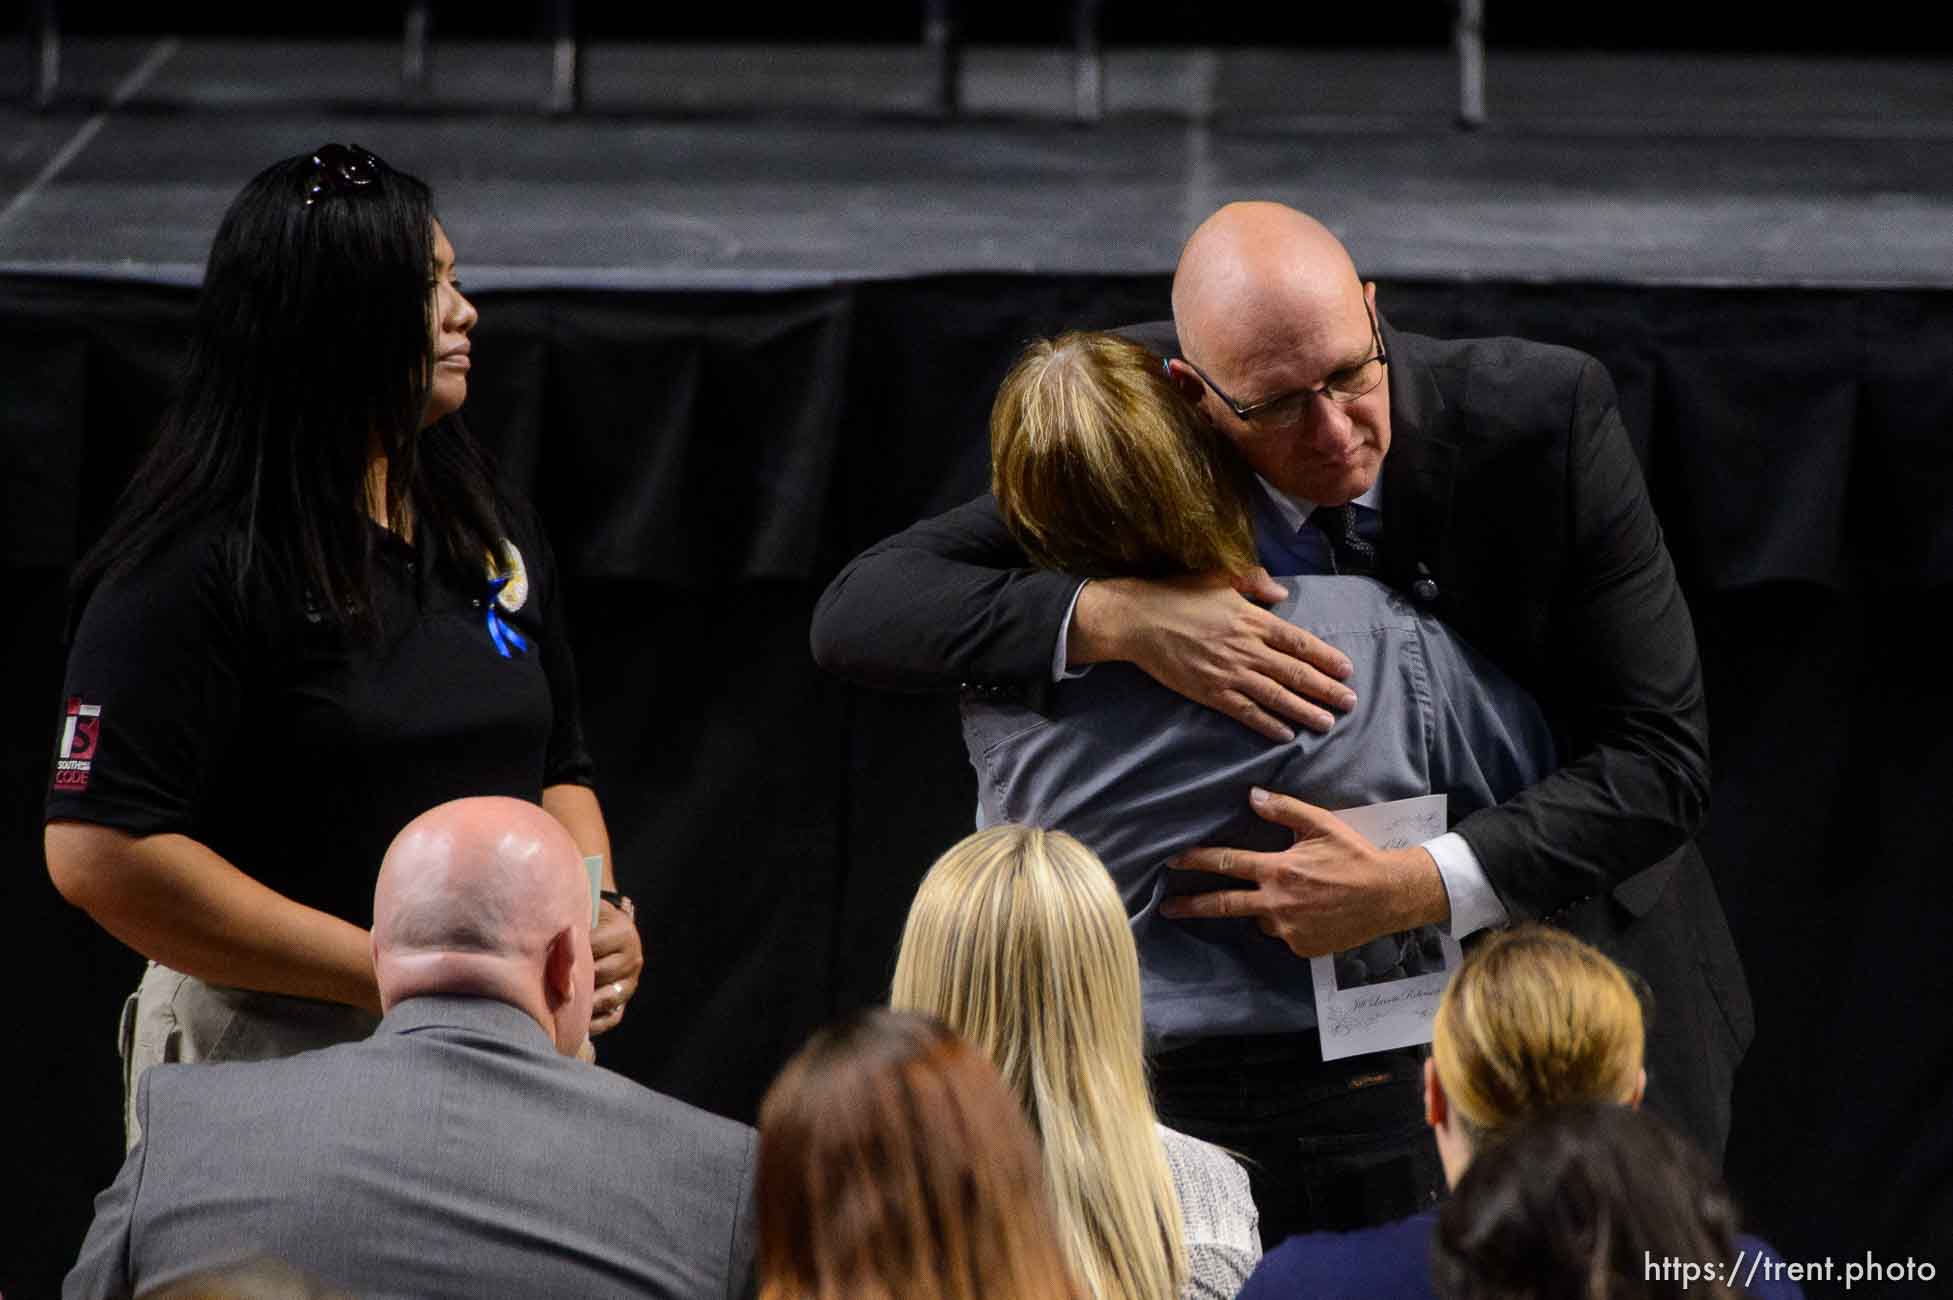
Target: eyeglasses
341,169
1346,385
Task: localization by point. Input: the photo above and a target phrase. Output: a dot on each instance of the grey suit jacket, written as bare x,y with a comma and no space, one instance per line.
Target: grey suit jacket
453,1153
1141,774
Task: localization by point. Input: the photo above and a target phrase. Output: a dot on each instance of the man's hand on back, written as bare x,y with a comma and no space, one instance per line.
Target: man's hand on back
1201,637
1330,891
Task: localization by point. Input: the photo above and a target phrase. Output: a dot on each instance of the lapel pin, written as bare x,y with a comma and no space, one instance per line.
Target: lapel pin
1425,588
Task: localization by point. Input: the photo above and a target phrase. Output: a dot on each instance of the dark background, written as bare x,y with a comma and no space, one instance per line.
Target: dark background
706,461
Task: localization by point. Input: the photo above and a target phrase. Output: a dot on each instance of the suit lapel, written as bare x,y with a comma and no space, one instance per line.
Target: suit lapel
1417,471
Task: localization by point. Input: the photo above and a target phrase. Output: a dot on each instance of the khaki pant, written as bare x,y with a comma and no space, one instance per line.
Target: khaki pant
176,1017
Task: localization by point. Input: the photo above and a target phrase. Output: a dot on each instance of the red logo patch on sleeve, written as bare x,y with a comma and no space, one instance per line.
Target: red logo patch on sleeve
81,732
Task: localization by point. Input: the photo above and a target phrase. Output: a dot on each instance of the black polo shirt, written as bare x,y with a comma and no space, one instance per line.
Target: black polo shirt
292,747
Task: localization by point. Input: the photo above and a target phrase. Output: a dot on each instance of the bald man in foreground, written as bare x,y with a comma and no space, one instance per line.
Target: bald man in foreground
462,1150
1491,482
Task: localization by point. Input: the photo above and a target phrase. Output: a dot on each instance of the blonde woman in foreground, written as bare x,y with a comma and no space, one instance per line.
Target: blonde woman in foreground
1018,941
1534,1021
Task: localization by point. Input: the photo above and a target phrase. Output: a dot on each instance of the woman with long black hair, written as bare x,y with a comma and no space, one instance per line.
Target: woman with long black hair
314,616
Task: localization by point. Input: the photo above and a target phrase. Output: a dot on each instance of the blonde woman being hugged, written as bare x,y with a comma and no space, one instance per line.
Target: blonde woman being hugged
1018,941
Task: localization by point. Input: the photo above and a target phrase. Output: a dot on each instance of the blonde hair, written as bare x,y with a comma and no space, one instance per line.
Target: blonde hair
1535,1019
1018,941
1102,469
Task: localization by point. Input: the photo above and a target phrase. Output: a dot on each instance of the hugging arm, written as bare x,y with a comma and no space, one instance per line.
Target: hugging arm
946,601
952,600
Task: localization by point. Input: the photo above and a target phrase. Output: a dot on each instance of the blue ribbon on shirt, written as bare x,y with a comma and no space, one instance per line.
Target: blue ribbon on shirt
508,641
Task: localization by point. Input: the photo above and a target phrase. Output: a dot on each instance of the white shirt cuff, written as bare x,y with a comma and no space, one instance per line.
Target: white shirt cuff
1475,904
1060,670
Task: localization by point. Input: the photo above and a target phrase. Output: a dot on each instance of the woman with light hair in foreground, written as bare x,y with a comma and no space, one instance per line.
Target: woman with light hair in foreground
894,1166
1018,941
1534,1021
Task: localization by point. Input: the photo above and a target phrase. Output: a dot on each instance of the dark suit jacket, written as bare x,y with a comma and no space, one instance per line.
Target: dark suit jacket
453,1153
1394,1260
1512,503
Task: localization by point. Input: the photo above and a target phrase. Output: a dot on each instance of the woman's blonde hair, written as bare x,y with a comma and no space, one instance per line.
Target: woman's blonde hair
1018,941
1535,1019
1102,469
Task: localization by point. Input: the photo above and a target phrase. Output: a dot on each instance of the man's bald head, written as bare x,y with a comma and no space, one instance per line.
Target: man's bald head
487,897
1255,276
1267,304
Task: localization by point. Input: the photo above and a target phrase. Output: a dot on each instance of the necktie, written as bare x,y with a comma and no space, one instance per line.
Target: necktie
1350,552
